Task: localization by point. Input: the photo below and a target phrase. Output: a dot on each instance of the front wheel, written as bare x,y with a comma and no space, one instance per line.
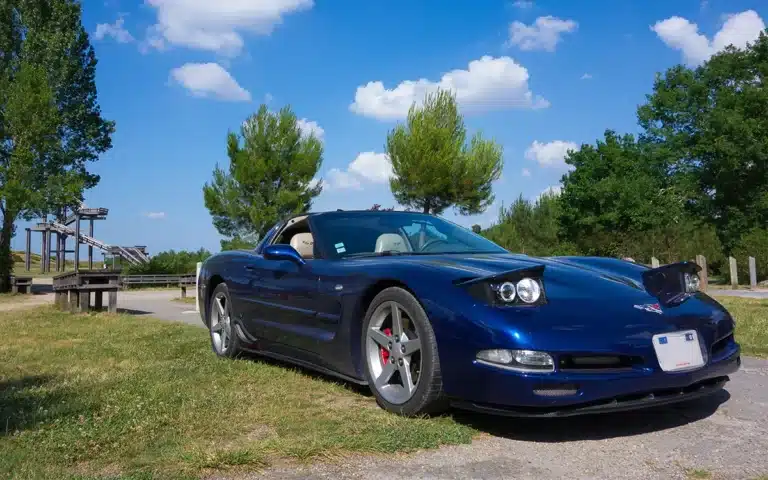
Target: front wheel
400,355
224,339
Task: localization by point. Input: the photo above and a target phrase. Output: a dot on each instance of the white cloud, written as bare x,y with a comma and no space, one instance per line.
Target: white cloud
487,83
586,76
217,25
308,127
367,167
550,154
544,34
555,190
342,180
374,167
268,98
523,4
680,34
526,172
210,80
156,215
114,30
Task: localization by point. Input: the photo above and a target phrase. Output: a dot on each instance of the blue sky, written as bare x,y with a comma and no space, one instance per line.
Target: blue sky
539,77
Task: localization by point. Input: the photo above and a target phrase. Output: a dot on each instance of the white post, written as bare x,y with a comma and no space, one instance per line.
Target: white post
654,262
734,273
752,273
197,287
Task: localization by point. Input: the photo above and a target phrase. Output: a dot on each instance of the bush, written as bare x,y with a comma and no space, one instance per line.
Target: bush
170,263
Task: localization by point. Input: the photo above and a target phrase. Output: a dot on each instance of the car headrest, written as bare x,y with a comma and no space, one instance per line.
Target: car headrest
392,242
304,243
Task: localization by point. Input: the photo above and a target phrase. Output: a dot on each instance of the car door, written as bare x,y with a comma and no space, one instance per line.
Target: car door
283,306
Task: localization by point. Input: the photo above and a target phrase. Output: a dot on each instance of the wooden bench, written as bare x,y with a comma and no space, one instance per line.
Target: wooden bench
21,284
73,290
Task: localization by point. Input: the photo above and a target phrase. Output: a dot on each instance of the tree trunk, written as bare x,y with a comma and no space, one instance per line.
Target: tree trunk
6,259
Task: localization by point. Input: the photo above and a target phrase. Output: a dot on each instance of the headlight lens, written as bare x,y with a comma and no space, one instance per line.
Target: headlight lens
520,360
507,292
692,283
528,290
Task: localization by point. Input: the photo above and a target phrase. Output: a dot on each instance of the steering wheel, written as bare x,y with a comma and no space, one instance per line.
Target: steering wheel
430,243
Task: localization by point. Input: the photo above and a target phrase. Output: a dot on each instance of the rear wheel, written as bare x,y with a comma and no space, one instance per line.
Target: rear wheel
400,355
224,339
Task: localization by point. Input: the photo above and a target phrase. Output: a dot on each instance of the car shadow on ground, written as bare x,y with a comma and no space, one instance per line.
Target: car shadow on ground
596,426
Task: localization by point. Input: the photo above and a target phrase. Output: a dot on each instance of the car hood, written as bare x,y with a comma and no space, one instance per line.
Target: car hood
594,272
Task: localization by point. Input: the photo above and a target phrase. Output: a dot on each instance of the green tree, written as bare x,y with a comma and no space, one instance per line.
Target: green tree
50,121
531,227
618,188
713,121
271,167
433,166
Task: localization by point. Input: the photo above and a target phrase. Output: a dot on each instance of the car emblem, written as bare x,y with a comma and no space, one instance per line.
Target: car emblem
650,307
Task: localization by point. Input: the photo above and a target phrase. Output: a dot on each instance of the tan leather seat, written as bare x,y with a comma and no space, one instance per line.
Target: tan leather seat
304,243
391,242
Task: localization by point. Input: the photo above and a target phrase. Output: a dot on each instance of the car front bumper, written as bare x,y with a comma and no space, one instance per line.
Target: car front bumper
504,392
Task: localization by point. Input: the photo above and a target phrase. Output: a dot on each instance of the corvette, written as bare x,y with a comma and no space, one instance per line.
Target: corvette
430,315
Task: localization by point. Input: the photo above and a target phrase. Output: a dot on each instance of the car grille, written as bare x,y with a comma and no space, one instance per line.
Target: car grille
597,362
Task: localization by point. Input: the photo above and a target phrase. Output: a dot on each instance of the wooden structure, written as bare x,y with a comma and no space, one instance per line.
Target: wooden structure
156,280
69,226
73,290
21,284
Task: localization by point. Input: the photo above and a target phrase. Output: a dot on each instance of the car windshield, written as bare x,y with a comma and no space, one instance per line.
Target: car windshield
362,234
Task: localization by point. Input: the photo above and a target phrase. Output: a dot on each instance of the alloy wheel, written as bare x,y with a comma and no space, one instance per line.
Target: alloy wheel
221,327
393,352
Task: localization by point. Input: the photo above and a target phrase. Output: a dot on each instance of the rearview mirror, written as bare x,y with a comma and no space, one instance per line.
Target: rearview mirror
283,252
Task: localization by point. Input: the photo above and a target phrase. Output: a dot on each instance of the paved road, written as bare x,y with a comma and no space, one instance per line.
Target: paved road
159,304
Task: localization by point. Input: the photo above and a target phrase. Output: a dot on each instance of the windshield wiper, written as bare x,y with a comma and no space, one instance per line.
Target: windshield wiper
385,253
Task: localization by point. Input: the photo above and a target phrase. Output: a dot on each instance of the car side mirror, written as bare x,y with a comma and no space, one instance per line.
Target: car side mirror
283,252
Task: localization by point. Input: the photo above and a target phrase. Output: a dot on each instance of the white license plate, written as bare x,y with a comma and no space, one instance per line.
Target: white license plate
678,350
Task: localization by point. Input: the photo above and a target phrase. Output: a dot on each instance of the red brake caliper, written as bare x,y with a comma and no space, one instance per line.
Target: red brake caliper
383,351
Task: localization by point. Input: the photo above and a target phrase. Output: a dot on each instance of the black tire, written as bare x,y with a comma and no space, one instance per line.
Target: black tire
428,397
233,345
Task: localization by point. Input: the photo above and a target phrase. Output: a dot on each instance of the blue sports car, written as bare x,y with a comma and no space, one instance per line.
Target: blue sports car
429,315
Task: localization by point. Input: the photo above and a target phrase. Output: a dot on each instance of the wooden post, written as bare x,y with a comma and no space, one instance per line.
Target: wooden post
49,246
654,262
701,260
98,301
113,295
112,301
72,300
85,300
27,253
183,291
90,247
734,272
752,272
42,252
77,242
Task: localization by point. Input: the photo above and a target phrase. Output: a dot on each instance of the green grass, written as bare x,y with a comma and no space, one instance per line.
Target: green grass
98,395
698,474
751,316
191,300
